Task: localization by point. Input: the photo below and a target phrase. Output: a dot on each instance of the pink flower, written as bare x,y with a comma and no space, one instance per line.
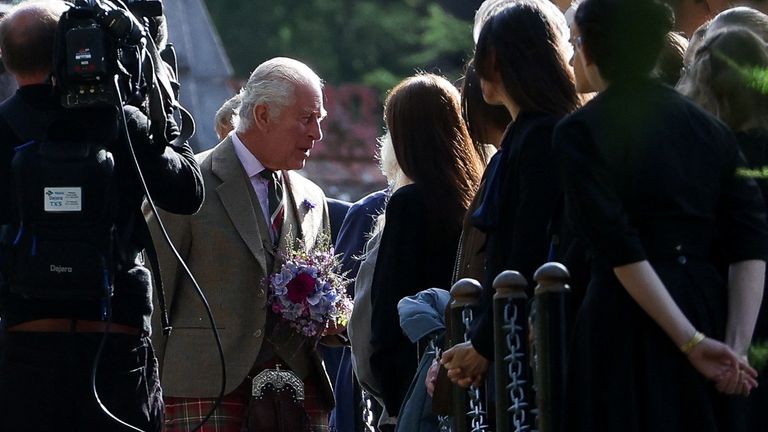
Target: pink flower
300,287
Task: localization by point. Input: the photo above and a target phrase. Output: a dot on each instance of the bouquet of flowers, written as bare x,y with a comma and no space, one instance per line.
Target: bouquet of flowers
308,292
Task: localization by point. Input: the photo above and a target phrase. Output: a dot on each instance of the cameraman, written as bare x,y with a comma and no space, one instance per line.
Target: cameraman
46,365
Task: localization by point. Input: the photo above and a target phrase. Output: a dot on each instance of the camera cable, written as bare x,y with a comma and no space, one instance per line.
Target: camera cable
201,295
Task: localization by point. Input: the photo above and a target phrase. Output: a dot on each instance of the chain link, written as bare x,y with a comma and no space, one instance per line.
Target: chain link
476,412
515,368
466,319
365,401
444,423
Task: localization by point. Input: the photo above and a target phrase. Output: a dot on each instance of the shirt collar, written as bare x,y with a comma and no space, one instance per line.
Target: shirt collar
251,165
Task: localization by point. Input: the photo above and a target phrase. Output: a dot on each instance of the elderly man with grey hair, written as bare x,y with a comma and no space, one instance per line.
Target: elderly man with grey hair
255,207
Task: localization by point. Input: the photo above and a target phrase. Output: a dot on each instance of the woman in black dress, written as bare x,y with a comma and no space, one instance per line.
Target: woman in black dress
652,182
522,63
722,79
422,219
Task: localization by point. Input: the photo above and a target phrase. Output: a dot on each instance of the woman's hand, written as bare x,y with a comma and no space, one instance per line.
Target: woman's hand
719,363
432,376
333,328
465,365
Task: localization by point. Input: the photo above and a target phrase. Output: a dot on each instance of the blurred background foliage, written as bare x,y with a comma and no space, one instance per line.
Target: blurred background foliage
371,42
361,48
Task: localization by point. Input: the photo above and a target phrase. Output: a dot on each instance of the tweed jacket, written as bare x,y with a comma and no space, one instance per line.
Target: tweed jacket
228,248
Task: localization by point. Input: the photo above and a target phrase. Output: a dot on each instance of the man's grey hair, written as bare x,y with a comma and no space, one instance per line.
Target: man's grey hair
273,83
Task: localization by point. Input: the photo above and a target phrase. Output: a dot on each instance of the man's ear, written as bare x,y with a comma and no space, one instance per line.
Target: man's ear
261,116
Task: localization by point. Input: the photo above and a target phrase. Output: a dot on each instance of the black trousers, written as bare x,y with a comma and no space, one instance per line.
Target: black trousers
45,383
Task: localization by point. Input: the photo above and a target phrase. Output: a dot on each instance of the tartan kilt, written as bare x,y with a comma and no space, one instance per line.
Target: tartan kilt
184,414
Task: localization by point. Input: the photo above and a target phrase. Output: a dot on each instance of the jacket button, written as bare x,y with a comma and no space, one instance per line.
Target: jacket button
682,259
258,333
260,293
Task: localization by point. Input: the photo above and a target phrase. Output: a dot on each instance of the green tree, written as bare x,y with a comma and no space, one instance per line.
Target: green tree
376,43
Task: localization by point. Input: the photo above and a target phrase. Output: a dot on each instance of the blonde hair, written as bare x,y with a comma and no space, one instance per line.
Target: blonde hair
729,78
396,178
388,164
226,118
669,66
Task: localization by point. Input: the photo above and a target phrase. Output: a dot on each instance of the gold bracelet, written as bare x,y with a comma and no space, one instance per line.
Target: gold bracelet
688,346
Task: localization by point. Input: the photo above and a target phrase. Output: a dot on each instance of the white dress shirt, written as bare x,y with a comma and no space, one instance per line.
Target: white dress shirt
253,167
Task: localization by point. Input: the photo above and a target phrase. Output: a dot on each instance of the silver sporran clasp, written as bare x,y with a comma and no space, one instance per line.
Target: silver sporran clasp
279,379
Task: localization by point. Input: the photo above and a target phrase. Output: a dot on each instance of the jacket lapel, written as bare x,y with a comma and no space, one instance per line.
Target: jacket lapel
234,187
295,212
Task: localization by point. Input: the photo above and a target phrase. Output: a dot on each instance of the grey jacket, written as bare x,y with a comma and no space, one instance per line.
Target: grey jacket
228,248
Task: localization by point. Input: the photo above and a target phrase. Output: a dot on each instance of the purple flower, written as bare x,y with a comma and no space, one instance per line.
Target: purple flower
307,292
309,205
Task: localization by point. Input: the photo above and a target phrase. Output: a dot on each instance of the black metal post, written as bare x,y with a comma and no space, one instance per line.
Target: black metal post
465,293
509,286
550,340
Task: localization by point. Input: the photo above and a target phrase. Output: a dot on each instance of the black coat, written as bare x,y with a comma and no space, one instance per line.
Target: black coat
417,251
650,176
529,193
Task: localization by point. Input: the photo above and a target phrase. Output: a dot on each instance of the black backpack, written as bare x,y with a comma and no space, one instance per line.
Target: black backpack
67,202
